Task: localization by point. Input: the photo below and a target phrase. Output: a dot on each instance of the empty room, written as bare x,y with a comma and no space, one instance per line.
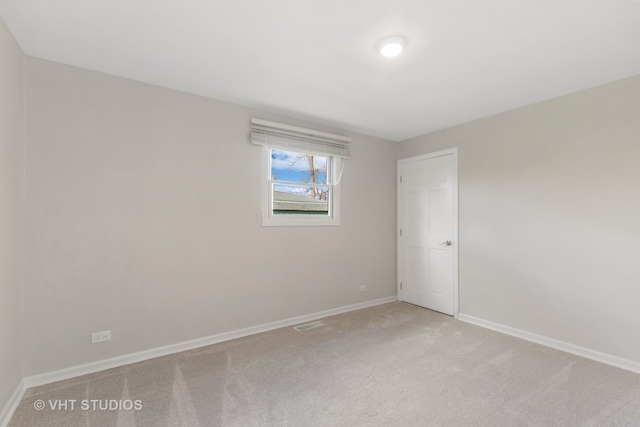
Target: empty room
306,213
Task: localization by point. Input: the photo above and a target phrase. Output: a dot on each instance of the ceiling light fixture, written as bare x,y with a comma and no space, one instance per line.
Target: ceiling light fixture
392,46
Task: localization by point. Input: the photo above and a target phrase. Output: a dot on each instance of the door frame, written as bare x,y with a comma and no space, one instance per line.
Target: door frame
456,245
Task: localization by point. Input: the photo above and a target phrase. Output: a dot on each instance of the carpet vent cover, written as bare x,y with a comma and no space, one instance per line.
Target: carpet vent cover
308,326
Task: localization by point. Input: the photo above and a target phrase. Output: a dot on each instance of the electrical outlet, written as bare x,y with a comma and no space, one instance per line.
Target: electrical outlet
98,337
363,288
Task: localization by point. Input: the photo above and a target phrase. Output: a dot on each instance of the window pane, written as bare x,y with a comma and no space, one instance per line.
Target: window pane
300,200
298,167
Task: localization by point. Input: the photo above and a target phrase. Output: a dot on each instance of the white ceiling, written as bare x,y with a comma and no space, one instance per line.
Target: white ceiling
316,59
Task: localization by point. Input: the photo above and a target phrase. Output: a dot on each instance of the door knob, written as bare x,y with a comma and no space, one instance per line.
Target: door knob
447,243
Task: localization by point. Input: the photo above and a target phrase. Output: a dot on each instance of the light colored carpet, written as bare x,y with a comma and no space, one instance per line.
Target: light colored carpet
391,365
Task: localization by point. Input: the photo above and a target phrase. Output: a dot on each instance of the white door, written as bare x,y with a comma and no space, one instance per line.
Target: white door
428,232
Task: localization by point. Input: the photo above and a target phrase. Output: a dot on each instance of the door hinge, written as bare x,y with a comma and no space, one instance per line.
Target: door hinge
400,285
401,232
400,179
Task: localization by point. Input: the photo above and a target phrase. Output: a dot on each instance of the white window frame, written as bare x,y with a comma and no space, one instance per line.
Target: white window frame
334,167
279,136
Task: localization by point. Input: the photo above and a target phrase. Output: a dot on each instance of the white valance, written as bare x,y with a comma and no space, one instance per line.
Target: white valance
299,139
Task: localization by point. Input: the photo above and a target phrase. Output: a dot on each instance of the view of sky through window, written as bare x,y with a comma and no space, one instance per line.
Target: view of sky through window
299,168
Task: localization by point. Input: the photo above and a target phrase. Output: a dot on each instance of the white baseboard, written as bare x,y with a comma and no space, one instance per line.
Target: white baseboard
114,362
12,404
609,359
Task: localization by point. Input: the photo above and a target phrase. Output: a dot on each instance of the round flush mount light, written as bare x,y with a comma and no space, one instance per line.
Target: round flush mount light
392,46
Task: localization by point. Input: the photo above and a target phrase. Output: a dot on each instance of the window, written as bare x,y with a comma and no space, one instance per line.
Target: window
301,174
298,183
300,189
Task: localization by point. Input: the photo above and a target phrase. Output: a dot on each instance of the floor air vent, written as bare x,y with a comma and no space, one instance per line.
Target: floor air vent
308,326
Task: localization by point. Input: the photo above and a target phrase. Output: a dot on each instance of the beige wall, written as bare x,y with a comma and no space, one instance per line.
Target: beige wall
142,217
550,217
11,185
